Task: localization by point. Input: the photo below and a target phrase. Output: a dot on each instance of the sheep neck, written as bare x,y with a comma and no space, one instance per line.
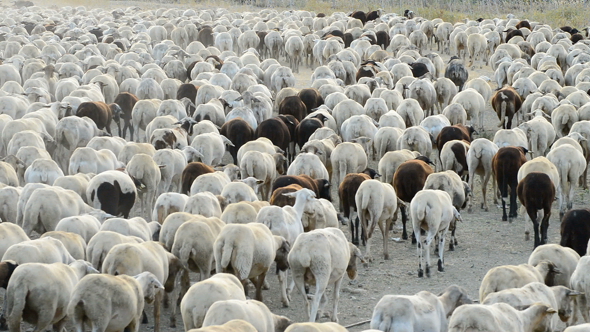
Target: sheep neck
299,207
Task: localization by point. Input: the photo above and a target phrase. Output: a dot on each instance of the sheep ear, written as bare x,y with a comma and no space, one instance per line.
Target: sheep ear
259,181
293,194
573,293
226,140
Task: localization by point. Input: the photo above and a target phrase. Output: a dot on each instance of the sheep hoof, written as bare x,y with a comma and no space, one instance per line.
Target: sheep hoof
386,256
3,325
527,236
286,304
428,272
504,218
451,247
440,266
172,322
469,210
420,273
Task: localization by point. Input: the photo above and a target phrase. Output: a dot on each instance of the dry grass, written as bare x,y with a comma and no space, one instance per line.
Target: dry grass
555,13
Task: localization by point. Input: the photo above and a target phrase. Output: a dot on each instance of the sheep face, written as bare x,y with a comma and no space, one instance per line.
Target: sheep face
282,254
354,254
324,189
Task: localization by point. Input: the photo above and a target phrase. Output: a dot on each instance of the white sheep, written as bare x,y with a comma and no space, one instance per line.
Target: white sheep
135,258
309,164
562,118
511,137
473,103
77,183
43,171
565,260
205,204
97,295
433,211
248,250
193,244
570,164
73,242
144,169
452,156
47,250
168,203
514,276
211,146
40,293
391,161
10,234
321,257
252,311
416,139
422,311
262,166
47,206
88,160
499,317
347,158
376,205
479,161
203,294
136,226
558,297
386,140
540,133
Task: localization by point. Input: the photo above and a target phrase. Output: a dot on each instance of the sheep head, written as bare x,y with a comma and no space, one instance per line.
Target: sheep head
282,253
150,285
355,253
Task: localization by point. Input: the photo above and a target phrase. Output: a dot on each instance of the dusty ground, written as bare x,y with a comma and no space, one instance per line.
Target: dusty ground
484,242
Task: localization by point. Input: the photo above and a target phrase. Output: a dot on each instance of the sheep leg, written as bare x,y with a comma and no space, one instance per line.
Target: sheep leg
513,212
532,212
337,284
133,326
441,249
59,326
44,318
404,219
283,283
157,310
545,222
259,282
484,188
384,227
420,253
320,288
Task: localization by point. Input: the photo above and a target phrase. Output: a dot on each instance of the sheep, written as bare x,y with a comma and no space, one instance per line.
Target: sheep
136,226
457,72
473,103
193,244
565,260
506,165
327,255
72,132
263,166
113,192
422,311
506,102
577,328
88,160
73,242
479,161
477,45
321,187
515,276
243,190
416,139
252,311
562,118
453,156
46,250
308,164
540,134
376,204
43,171
122,294
433,211
239,132
557,297
10,234
535,192
571,164
101,113
84,225
211,146
144,169
168,203
203,294
171,163
315,327
191,172
579,283
347,158
9,197
40,293
47,206
500,317
255,249
211,182
135,258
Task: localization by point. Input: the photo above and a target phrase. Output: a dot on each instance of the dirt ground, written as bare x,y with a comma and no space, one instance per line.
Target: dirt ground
484,242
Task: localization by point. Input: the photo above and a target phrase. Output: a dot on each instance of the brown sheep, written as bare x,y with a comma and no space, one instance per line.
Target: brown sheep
239,132
455,132
188,90
276,131
205,36
409,178
281,200
359,15
294,106
505,166
100,113
524,24
506,102
537,192
575,230
191,172
126,101
321,187
311,98
347,192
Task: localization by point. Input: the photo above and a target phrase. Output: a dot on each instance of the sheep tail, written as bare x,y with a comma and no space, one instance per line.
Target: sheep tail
226,254
161,211
250,168
565,119
342,170
382,322
15,300
478,153
79,309
421,213
503,113
44,177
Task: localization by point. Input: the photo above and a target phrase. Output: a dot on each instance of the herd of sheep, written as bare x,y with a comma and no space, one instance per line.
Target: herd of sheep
98,222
